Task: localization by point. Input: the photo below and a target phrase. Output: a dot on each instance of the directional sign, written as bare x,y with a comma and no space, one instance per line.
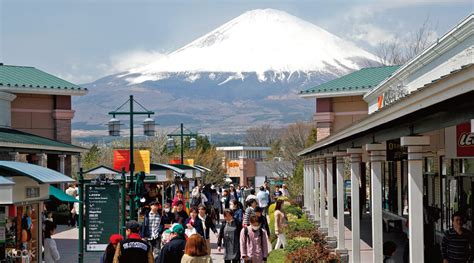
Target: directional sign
102,215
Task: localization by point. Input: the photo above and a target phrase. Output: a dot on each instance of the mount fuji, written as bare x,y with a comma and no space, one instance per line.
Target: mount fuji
245,73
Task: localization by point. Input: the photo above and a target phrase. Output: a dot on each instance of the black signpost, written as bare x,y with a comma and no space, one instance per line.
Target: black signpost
102,213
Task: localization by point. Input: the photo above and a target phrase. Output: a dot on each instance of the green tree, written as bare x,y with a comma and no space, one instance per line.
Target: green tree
312,138
92,158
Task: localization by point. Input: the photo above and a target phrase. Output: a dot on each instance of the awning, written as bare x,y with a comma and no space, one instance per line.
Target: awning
60,195
6,181
38,173
203,168
162,166
102,169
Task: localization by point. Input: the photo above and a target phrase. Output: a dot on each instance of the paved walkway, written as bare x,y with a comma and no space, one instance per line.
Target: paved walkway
67,242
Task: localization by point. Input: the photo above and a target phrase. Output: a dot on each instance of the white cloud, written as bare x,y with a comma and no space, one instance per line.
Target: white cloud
372,34
132,59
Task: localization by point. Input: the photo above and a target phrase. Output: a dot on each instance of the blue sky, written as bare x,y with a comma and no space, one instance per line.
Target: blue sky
82,41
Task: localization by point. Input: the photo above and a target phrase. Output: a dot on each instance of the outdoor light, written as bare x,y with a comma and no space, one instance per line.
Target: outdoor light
114,127
192,143
170,144
149,127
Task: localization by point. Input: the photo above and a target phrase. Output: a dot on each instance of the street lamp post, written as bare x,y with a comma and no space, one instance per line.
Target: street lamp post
114,130
181,135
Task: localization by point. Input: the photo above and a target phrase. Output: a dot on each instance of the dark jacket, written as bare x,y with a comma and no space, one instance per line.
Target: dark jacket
262,220
166,219
200,230
133,249
181,217
239,215
173,251
145,230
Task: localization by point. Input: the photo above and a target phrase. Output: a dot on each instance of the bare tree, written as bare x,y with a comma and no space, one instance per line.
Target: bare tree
264,135
399,51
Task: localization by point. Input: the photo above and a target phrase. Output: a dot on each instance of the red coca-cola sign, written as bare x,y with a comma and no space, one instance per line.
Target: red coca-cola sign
464,140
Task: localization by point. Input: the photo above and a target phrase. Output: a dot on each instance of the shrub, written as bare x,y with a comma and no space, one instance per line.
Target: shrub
297,243
312,253
301,224
277,256
313,234
294,210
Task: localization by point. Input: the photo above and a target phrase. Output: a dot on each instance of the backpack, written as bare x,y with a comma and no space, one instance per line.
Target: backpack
246,233
196,201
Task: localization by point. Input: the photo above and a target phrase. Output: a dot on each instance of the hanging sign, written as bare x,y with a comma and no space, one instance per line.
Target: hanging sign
102,215
395,151
464,140
141,160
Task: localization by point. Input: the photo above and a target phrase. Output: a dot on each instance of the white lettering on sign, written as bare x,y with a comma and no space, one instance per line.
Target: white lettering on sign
466,139
135,245
393,94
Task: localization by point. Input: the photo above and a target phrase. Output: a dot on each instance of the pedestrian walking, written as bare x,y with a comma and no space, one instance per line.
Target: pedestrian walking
108,256
206,225
262,198
249,211
389,249
238,210
233,193
133,249
229,238
277,193
253,242
251,195
197,198
225,199
196,250
150,230
284,191
262,219
280,225
167,218
458,242
51,253
178,197
180,215
216,204
173,251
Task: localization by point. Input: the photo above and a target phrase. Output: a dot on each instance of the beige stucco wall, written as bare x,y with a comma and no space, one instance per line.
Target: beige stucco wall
347,110
33,114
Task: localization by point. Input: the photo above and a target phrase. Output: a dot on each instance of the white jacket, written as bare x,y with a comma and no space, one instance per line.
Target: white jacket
51,253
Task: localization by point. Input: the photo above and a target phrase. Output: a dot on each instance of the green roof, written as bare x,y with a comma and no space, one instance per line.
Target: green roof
361,80
18,139
60,195
30,77
36,172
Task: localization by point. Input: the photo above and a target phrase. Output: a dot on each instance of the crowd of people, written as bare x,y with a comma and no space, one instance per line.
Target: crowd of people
169,234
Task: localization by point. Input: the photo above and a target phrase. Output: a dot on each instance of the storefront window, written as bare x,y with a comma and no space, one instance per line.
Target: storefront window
22,234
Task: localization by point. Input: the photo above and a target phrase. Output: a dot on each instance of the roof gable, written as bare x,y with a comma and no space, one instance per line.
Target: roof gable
361,80
32,78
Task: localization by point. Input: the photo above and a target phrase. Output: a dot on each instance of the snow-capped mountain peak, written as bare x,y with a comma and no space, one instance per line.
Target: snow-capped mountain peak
259,41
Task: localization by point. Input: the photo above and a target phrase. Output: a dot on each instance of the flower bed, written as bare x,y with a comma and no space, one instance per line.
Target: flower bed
305,242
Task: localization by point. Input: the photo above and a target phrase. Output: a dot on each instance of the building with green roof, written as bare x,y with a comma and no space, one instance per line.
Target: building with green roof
35,117
339,102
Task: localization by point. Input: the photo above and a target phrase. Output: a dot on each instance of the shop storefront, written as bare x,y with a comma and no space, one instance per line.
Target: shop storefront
21,206
418,145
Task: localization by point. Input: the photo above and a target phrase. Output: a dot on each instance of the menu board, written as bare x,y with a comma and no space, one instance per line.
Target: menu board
102,215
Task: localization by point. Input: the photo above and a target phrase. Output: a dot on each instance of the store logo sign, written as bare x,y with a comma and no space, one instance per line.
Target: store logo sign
465,140
390,96
23,254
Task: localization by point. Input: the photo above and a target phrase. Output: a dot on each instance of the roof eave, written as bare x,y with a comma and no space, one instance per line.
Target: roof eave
73,149
333,94
45,91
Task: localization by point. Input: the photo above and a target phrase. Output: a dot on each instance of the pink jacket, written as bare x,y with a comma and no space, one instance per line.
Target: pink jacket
251,246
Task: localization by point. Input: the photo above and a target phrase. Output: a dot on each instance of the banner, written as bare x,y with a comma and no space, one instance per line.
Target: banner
141,160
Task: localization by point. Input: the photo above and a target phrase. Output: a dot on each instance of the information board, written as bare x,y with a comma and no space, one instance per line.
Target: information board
102,215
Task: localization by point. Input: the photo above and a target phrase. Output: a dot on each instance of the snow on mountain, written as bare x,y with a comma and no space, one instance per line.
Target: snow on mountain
259,41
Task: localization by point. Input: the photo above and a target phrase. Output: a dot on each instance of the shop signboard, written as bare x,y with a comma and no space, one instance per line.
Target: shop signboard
395,151
102,215
141,160
464,140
